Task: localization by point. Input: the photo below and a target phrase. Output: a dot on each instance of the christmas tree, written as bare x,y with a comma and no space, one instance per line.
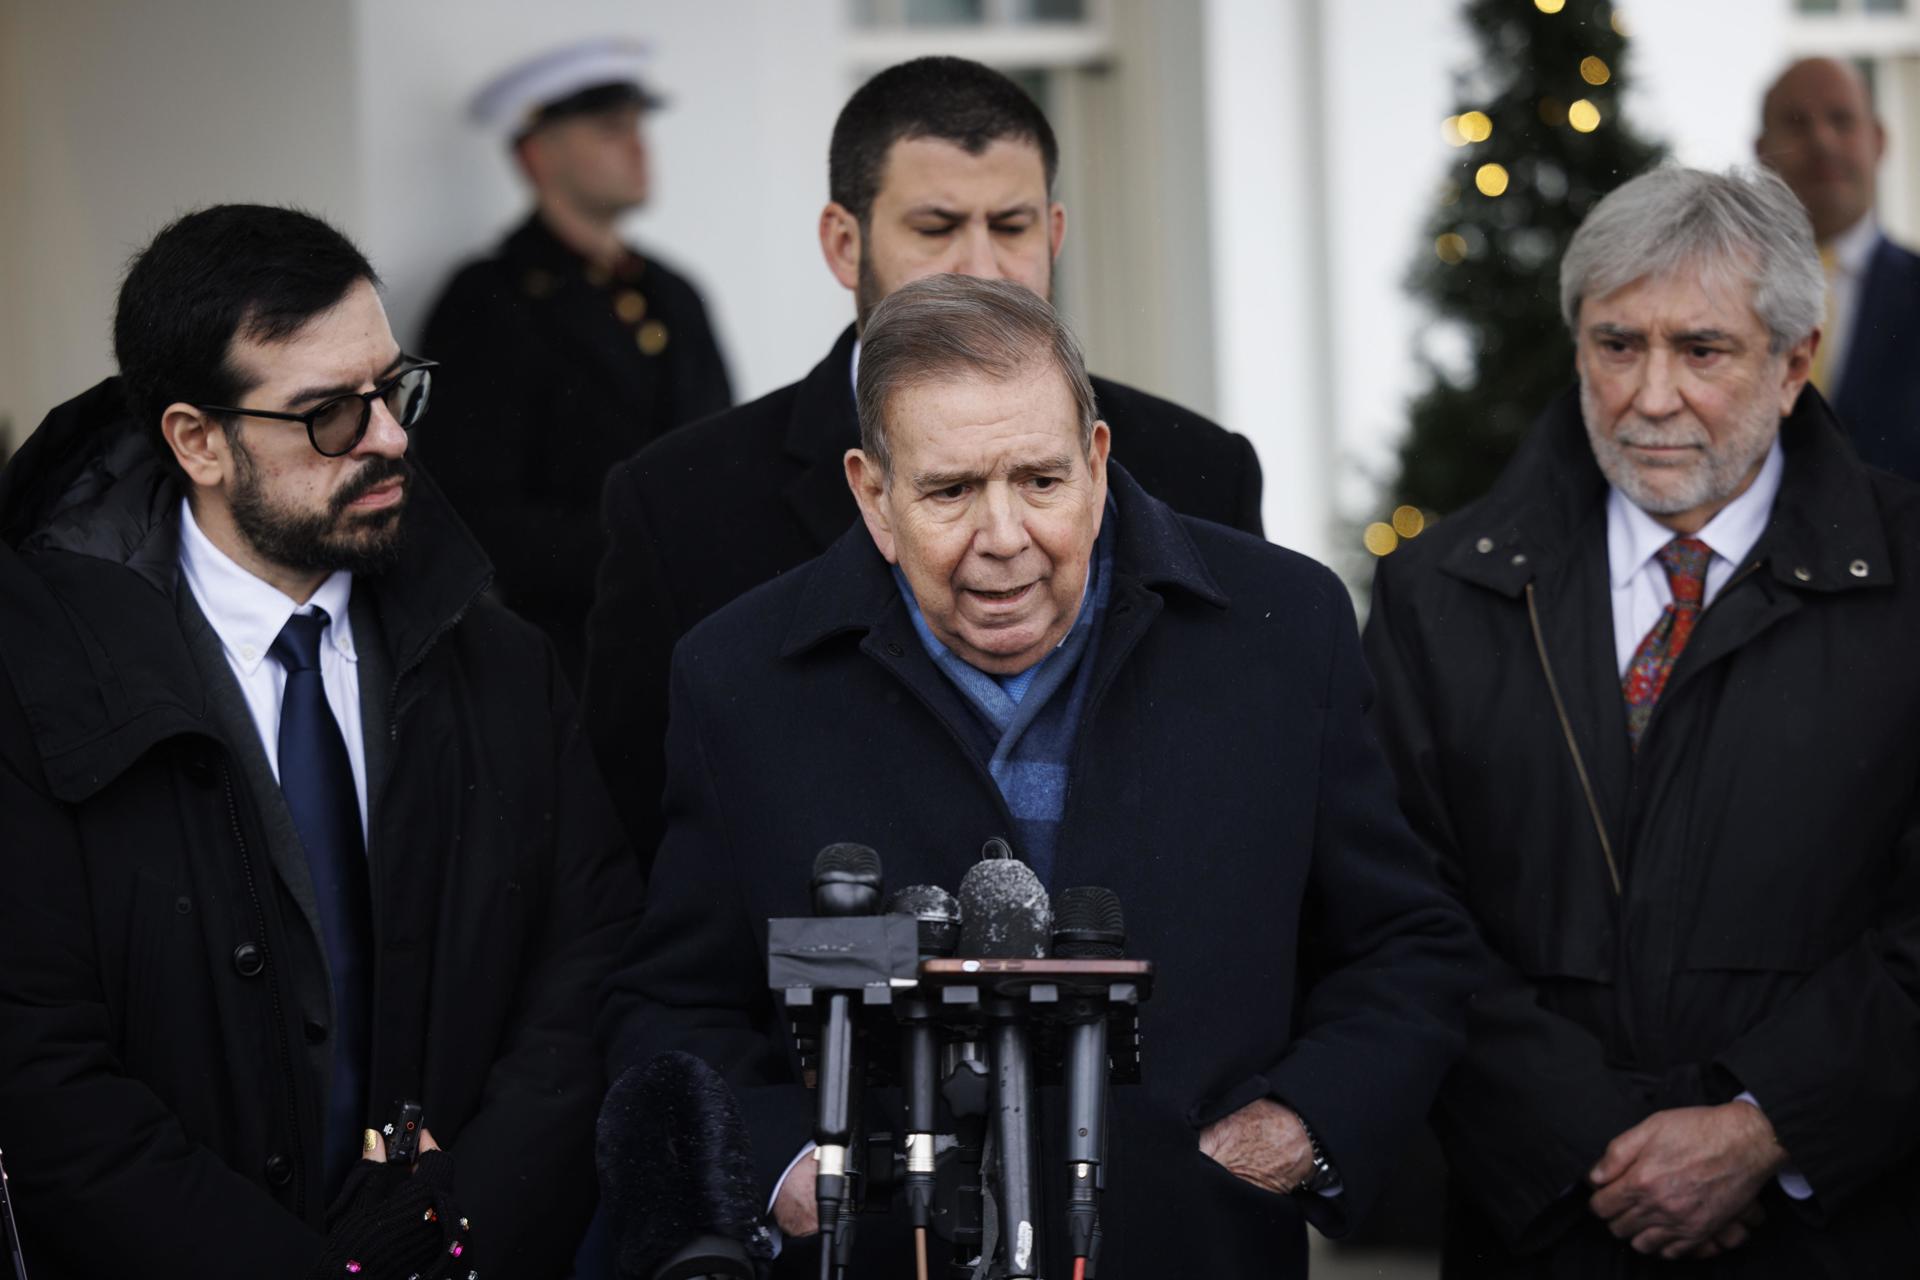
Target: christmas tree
1540,139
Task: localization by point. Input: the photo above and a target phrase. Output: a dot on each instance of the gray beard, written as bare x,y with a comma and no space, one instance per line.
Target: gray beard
1713,477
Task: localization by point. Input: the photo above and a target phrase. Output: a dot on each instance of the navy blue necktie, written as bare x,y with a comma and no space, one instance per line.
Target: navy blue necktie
316,778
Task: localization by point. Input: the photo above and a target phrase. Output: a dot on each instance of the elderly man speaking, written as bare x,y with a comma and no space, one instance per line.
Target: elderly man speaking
1653,700
1015,640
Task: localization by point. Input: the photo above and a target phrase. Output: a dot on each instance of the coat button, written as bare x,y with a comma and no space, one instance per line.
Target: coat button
316,1032
893,649
1519,558
183,905
1800,574
249,959
1483,546
279,1170
1858,568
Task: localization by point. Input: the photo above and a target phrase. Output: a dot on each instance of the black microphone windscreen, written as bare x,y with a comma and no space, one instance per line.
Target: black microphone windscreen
1087,925
1004,911
937,913
676,1164
846,881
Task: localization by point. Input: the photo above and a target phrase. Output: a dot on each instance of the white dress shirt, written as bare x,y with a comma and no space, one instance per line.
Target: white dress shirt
247,614
1640,587
1852,250
1641,592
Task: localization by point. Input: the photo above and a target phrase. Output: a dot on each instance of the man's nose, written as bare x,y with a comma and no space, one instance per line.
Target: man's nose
974,254
1002,531
1658,395
385,436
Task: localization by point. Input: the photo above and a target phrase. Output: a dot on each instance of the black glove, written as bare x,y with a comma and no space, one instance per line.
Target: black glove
389,1223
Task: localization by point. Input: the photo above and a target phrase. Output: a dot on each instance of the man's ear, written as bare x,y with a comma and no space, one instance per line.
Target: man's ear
840,243
869,487
199,444
1098,448
1797,368
1056,226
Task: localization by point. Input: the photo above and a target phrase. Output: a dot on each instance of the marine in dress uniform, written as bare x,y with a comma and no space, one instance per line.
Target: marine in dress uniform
567,349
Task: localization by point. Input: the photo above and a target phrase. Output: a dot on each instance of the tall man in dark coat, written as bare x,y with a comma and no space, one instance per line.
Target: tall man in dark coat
936,165
1653,701
1017,640
567,349
1820,133
297,822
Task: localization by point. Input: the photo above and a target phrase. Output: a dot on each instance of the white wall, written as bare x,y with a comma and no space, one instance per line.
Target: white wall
118,115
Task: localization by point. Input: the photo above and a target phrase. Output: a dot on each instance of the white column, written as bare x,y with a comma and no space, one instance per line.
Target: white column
1266,179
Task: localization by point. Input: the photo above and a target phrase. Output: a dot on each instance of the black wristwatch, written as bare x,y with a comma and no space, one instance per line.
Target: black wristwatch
1322,1176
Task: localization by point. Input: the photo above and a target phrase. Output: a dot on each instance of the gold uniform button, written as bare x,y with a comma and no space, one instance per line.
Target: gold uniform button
538,284
629,306
652,338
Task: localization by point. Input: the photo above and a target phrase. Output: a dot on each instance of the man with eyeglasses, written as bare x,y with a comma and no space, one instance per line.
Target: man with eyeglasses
297,823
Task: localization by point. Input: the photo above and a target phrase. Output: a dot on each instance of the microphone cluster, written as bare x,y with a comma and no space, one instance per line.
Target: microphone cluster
969,1002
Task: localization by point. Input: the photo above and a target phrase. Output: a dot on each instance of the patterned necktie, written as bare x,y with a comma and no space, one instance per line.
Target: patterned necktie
316,778
1685,560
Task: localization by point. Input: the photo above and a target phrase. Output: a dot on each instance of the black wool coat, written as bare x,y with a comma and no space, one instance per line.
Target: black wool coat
710,512
1225,784
1765,935
158,1103
549,375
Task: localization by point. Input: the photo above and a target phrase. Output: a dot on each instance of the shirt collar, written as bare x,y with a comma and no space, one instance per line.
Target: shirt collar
1852,247
1633,536
248,613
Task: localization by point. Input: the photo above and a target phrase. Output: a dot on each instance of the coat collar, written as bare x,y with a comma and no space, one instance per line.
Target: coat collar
852,589
824,424
91,637
1825,533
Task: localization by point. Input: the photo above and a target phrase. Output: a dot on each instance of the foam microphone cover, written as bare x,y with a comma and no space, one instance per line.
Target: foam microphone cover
1004,911
1087,925
846,881
676,1168
935,910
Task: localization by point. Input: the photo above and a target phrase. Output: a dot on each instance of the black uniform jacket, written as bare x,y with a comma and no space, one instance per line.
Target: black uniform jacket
1225,784
1879,394
551,373
1765,935
156,1099
713,511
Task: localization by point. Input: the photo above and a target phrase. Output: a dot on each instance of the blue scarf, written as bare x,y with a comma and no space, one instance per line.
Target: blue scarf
1034,714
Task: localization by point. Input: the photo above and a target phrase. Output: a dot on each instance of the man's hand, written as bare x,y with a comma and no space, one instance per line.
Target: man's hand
794,1209
1680,1181
1262,1143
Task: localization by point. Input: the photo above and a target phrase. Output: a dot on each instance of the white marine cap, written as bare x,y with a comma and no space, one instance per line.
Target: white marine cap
598,73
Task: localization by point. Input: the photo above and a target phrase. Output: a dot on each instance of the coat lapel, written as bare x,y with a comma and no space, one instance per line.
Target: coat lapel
823,427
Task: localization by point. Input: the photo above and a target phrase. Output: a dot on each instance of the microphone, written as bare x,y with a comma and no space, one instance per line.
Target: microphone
1089,926
846,882
937,915
676,1175
1006,915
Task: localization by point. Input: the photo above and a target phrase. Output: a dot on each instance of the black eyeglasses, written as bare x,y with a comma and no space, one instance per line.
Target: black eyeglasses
335,426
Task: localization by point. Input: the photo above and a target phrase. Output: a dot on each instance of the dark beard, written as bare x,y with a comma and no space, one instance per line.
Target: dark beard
321,542
867,293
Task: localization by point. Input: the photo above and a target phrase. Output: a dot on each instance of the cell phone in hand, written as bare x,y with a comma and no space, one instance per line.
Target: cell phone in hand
403,1132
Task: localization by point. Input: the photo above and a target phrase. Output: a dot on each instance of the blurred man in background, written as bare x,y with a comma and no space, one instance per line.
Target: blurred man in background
1818,130
937,165
567,349
1652,701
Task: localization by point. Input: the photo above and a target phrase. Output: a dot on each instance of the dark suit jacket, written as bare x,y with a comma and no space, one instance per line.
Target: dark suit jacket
1225,785
544,385
1879,394
712,511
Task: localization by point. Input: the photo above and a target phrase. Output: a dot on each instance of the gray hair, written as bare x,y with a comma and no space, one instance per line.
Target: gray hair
943,327
1744,226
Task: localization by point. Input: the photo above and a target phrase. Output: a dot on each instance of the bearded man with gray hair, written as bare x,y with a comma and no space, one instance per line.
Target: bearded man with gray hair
1652,700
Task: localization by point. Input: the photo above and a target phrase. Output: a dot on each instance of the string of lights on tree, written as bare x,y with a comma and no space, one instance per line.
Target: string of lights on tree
1540,139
